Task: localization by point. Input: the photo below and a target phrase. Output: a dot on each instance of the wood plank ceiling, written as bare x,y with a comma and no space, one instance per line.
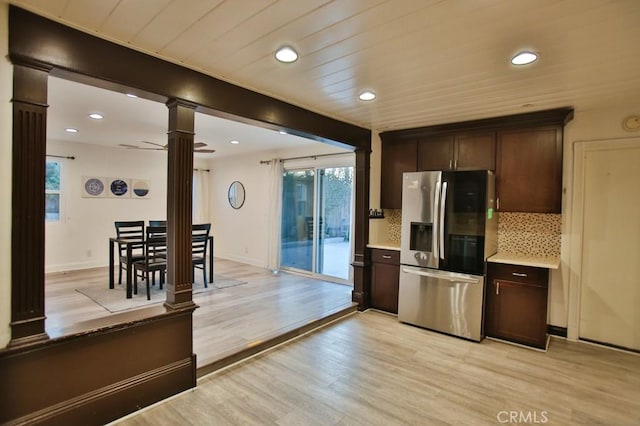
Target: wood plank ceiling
429,61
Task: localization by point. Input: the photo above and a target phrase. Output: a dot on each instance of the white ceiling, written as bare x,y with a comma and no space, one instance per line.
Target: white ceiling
429,61
133,120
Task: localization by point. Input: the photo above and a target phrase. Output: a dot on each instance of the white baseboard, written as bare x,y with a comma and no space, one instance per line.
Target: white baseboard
74,266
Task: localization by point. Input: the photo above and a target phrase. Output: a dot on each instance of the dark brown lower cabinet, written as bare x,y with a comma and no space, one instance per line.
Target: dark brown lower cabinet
516,304
385,277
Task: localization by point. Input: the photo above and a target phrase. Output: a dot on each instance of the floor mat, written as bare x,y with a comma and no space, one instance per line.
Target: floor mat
115,300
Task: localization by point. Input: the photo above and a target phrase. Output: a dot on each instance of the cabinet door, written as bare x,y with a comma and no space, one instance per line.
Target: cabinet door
521,312
435,153
529,170
475,151
517,312
398,157
385,279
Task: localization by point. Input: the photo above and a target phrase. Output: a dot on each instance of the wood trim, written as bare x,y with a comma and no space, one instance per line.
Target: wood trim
179,203
28,204
69,411
80,55
559,116
361,267
98,376
609,345
557,331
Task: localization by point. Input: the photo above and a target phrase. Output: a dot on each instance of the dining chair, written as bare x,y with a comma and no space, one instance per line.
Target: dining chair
199,242
133,230
155,258
157,223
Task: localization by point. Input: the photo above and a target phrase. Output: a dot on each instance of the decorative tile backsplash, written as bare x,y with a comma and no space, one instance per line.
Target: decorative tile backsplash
394,218
533,234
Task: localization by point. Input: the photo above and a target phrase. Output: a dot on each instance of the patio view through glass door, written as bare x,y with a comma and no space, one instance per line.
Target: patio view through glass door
316,220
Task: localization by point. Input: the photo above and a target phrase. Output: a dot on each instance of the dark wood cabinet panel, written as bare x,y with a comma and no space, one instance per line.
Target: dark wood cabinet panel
465,151
475,151
525,150
436,153
529,170
516,304
385,277
398,156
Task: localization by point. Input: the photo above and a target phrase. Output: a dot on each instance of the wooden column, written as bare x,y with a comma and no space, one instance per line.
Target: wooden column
27,223
361,264
179,203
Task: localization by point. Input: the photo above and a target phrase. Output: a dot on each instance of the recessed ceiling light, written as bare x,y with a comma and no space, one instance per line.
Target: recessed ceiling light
282,132
71,130
96,116
367,95
524,58
131,95
234,142
286,54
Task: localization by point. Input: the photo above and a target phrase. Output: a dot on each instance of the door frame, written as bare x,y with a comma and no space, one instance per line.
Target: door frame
312,163
580,149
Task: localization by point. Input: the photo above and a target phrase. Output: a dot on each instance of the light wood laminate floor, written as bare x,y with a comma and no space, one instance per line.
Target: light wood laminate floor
369,369
226,321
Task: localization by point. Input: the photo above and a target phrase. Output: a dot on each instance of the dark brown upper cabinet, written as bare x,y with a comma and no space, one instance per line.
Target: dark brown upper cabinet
465,151
525,150
529,170
398,157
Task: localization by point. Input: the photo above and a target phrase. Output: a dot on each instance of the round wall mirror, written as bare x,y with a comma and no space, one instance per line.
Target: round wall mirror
236,195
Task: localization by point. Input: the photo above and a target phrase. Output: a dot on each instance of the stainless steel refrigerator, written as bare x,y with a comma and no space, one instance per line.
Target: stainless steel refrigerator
449,228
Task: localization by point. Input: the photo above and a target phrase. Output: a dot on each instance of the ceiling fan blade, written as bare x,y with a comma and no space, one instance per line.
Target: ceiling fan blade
156,144
199,144
126,145
204,150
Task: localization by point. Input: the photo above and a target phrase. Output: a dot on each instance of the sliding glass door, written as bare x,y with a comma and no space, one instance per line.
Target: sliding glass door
316,221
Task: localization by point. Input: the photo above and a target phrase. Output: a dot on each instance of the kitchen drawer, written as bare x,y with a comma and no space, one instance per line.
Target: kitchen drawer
385,256
521,274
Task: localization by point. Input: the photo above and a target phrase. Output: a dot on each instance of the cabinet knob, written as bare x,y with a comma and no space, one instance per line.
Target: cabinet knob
498,287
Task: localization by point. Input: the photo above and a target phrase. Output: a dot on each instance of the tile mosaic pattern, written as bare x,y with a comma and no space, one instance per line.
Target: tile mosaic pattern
533,234
394,218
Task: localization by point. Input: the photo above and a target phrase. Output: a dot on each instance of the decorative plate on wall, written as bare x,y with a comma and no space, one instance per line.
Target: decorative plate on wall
93,187
139,188
119,188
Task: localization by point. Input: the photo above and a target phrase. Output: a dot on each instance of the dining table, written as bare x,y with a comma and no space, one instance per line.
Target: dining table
129,243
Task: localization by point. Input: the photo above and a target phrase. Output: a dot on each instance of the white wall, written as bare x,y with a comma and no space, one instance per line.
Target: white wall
80,239
604,122
242,235
6,78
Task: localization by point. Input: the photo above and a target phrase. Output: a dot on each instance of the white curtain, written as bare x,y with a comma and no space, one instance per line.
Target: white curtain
200,212
275,211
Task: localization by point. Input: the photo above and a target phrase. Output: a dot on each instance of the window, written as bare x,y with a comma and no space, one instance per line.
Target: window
52,191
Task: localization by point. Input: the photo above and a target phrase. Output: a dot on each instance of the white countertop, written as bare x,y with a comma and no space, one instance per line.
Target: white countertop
386,245
525,260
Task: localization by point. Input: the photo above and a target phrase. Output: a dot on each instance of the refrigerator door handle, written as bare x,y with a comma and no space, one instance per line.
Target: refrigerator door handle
449,276
443,204
436,201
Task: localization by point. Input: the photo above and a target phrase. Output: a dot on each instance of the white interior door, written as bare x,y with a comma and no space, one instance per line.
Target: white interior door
610,271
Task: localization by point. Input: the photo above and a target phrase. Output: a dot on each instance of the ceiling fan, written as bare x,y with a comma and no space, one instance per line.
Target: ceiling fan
197,147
